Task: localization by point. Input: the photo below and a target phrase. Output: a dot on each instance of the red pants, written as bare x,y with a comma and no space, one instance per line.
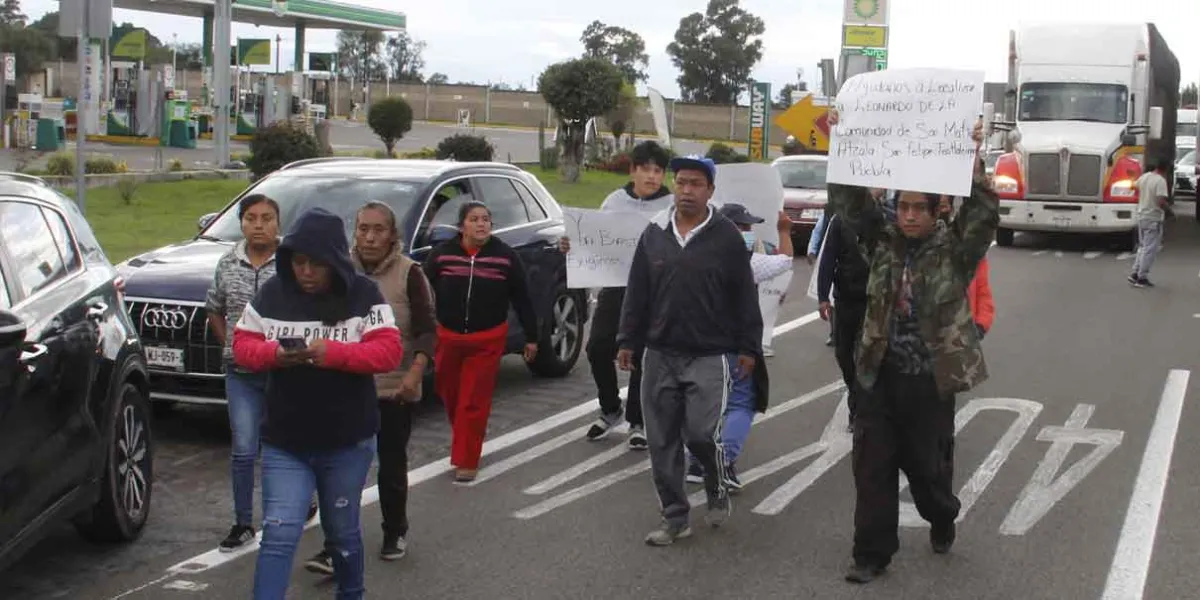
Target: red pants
465,377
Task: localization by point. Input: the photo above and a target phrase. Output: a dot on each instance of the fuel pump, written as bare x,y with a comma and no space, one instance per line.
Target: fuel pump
251,106
122,117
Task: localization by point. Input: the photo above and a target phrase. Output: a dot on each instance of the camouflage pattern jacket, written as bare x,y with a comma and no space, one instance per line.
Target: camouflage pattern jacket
943,267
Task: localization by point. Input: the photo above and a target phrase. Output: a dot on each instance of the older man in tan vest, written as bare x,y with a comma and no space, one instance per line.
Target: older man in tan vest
378,252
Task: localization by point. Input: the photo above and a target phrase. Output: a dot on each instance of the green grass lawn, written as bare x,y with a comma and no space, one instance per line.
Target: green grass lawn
163,213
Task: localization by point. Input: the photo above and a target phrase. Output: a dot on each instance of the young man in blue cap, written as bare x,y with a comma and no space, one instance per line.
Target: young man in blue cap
692,305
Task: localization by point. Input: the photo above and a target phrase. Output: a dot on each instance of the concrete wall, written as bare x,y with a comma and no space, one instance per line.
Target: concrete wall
523,109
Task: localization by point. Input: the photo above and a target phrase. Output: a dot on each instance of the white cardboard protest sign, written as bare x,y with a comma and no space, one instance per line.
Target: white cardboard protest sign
756,186
770,298
907,129
602,246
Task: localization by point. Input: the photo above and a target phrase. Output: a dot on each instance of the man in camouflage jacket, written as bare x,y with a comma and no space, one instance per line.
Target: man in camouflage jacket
919,348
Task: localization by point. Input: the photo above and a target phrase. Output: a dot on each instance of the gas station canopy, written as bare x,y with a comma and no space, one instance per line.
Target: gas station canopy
312,14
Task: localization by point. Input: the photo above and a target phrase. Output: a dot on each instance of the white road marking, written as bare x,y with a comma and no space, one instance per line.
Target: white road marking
1027,411
1125,256
592,487
184,585
575,471
1043,491
1196,316
1058,254
214,558
1038,253
1131,562
834,445
1089,255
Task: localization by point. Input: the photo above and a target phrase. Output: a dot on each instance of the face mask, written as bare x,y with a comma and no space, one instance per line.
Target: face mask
750,239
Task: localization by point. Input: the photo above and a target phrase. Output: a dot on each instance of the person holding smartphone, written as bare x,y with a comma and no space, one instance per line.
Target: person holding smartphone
320,332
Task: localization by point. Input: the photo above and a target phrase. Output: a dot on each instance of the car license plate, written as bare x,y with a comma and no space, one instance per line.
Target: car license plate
164,358
812,214
1062,222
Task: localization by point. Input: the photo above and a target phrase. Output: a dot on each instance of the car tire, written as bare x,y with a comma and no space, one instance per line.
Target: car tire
561,341
1004,237
127,481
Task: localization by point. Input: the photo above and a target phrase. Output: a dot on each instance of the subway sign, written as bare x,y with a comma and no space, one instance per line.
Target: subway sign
760,121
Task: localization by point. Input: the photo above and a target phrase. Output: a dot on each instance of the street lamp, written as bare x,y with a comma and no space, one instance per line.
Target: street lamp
278,42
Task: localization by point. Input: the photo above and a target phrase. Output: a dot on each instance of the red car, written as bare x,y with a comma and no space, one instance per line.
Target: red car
804,193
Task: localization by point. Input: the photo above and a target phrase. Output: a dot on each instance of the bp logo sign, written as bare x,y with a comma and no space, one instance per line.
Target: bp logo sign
866,12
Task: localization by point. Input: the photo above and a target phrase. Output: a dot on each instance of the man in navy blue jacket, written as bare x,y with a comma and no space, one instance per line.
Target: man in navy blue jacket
692,305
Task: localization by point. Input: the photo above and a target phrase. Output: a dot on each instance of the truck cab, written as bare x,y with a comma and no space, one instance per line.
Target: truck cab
1087,106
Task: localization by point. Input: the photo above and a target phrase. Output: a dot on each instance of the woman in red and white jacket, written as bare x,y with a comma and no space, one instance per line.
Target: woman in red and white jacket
321,332
979,292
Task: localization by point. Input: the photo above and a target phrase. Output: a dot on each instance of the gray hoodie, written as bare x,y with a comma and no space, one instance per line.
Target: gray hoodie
623,199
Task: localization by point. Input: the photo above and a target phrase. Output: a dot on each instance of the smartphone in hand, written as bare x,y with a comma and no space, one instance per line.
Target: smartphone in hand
292,344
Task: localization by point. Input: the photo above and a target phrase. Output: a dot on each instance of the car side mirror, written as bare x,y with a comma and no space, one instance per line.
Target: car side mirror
205,221
12,330
1128,139
441,233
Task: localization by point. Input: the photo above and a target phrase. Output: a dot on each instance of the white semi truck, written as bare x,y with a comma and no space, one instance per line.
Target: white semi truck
1086,107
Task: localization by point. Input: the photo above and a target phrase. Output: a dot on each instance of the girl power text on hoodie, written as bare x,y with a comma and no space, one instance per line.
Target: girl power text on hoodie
335,405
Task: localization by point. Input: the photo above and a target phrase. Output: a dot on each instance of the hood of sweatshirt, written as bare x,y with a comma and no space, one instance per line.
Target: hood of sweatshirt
321,235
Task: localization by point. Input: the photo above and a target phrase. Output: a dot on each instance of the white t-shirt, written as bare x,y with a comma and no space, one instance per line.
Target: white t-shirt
1151,187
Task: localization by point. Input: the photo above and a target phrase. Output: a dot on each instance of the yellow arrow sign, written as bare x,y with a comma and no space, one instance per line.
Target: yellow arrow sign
809,122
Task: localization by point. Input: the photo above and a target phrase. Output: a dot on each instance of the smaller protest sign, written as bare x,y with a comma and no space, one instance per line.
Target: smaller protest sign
770,298
907,129
602,246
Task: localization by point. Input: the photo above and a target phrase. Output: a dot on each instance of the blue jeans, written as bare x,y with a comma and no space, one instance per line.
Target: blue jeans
289,478
738,415
245,394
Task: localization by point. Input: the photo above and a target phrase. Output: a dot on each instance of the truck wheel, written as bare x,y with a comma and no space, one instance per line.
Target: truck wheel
562,337
1004,237
127,481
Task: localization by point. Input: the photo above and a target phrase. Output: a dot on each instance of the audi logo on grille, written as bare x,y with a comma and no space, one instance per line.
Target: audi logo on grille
165,318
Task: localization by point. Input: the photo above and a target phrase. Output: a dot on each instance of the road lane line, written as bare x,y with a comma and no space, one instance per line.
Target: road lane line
577,470
592,487
1038,253
215,558
1131,562
1089,255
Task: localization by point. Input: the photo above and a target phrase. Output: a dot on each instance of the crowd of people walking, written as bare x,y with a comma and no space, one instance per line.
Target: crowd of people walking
307,318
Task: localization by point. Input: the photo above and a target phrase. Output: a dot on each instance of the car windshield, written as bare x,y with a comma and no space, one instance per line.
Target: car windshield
1186,129
341,196
1093,102
802,174
1188,160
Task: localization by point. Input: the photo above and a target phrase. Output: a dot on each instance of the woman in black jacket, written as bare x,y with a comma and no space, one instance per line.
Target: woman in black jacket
475,279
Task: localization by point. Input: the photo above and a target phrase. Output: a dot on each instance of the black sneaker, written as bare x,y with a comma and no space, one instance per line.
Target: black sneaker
720,507
394,548
732,482
1143,283
829,340
941,537
320,563
603,426
1132,279
863,573
695,473
239,535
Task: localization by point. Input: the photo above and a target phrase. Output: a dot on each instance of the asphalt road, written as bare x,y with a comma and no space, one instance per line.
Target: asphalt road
1064,462
512,145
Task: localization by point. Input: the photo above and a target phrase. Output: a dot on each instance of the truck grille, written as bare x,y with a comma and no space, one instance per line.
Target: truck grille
1083,179
183,327
1045,175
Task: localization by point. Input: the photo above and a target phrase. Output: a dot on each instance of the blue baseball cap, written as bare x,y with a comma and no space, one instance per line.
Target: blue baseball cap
695,162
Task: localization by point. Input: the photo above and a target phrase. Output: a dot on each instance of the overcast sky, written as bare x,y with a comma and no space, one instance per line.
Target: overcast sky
512,41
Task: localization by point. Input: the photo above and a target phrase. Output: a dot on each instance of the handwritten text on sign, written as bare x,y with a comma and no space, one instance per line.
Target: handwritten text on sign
602,245
907,130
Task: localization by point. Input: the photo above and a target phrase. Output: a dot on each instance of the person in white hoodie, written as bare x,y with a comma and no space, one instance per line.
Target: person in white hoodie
646,194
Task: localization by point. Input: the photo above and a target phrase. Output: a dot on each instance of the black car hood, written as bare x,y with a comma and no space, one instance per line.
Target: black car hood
182,271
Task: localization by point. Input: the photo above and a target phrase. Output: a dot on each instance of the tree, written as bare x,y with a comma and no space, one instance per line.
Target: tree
785,94
438,79
10,13
622,47
405,58
621,117
1187,97
578,90
390,119
32,47
716,51
358,55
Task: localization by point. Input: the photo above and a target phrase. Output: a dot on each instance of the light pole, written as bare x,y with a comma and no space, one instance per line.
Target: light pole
278,42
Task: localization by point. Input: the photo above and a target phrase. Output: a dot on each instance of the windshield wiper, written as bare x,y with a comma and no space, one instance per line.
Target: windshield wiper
209,238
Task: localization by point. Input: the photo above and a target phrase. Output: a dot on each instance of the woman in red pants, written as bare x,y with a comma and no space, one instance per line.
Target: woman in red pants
475,279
